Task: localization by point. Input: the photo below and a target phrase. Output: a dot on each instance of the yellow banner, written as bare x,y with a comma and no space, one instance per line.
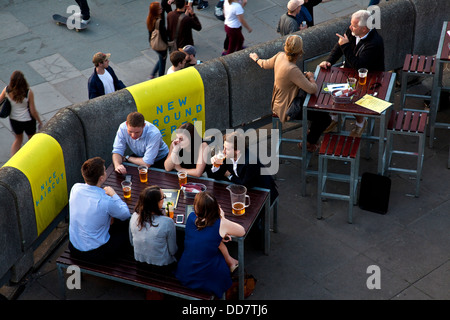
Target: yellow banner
172,100
41,161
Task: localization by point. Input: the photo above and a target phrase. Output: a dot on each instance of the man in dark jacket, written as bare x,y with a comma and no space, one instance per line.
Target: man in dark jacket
362,47
188,22
242,167
103,80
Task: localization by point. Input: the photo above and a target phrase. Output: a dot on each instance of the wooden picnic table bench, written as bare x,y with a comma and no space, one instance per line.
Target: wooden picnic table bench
126,269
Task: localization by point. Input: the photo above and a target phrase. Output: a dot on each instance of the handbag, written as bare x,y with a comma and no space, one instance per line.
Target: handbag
295,110
156,42
5,107
249,285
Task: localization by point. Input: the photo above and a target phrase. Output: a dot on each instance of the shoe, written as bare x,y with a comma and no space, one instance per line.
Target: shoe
309,147
331,127
358,131
202,6
85,21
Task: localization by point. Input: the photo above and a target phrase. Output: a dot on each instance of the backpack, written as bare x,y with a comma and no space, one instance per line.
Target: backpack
218,11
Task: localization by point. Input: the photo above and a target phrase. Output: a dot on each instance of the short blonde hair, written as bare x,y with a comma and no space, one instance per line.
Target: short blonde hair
293,47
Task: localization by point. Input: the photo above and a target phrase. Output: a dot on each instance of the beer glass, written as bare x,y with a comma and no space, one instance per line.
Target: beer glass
182,178
362,76
219,159
143,173
126,188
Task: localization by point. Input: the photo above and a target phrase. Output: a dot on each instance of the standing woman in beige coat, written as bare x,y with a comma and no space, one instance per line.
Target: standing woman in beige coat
288,80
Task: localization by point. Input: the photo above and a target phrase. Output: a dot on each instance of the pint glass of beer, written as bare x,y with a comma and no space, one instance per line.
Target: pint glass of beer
182,178
126,188
219,159
362,76
143,173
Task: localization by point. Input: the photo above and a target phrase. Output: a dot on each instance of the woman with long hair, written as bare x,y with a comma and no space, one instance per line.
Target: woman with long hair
234,20
289,79
23,115
152,233
155,19
204,263
187,151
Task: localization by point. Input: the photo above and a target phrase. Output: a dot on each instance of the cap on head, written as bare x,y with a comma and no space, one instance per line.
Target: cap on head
294,4
100,57
189,49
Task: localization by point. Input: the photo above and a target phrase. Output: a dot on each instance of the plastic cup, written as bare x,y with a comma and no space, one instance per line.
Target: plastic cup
182,178
126,188
143,173
351,82
362,76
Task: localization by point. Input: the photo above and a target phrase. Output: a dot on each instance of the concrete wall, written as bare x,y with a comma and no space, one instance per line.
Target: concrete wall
236,91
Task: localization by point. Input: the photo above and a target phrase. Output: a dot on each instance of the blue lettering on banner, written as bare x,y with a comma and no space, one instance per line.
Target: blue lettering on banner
48,185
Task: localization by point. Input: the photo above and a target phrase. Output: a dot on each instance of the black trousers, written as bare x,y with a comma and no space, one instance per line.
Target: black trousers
84,7
319,122
118,243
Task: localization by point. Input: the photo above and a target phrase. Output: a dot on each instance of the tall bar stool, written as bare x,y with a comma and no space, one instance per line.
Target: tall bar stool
276,124
406,122
341,148
416,66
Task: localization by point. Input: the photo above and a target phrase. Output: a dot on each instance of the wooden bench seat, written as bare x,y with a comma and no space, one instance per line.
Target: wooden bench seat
127,270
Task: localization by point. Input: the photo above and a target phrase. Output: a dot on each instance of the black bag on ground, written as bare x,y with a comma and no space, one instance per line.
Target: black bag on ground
295,110
374,192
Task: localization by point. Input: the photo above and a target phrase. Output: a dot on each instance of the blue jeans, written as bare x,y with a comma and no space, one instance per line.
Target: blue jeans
374,2
160,66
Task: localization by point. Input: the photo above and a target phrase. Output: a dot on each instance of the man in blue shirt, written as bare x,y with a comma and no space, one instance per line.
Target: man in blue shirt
144,140
93,233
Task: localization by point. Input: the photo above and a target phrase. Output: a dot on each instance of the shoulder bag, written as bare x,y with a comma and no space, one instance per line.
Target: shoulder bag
5,107
295,110
156,42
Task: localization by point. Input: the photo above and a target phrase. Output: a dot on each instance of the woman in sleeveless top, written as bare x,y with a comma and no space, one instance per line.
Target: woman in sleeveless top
203,264
23,115
187,152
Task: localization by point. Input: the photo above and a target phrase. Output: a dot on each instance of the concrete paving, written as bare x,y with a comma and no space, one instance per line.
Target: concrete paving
309,258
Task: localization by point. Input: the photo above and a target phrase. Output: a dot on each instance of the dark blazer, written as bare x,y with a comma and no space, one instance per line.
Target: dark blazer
248,175
369,53
95,85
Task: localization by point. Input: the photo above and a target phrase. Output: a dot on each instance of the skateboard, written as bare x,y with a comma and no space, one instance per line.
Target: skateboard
61,20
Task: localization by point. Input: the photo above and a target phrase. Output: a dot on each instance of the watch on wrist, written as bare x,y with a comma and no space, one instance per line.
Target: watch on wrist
127,157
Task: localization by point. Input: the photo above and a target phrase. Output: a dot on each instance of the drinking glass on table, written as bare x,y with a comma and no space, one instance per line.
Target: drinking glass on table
182,178
126,188
362,76
143,171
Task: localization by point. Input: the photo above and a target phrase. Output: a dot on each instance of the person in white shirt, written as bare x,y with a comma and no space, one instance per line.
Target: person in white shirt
178,59
98,227
103,80
234,20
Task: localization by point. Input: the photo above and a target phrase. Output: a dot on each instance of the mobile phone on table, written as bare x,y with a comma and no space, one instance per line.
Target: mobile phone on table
128,177
179,218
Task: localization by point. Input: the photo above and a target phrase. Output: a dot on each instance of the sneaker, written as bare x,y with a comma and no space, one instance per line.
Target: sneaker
85,21
202,6
358,131
331,127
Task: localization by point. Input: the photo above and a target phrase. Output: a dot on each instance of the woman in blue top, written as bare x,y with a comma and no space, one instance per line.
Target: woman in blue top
203,264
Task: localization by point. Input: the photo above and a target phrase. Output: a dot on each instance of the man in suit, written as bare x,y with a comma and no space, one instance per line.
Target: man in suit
362,47
241,167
